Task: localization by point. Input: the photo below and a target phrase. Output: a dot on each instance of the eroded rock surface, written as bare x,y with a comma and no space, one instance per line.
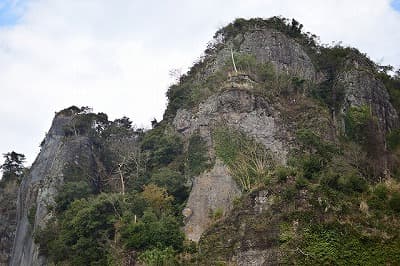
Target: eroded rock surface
237,109
8,219
268,46
38,190
362,88
212,192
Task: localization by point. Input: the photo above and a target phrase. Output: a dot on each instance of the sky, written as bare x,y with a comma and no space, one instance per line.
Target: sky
116,56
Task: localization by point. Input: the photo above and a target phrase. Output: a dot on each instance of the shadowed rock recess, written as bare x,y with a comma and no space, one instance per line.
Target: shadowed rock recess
273,150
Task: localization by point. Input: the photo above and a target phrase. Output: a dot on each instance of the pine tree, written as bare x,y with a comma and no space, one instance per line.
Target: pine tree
13,165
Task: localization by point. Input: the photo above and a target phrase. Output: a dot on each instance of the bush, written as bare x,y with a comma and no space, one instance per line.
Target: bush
164,146
172,180
197,155
248,161
82,232
69,192
32,215
356,122
301,183
394,202
332,244
393,139
158,257
283,172
150,232
381,191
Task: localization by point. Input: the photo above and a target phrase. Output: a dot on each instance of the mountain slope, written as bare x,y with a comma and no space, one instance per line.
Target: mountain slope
273,150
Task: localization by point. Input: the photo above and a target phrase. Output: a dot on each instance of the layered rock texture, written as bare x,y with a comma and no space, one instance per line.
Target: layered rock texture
8,219
301,178
39,189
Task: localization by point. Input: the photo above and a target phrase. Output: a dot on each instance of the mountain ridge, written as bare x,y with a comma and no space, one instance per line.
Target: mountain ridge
291,144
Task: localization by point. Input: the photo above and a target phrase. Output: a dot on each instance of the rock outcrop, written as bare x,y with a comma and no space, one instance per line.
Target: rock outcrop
212,192
39,189
241,110
361,87
8,218
247,233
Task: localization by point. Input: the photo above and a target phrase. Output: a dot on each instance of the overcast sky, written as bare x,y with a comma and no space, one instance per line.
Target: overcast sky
115,56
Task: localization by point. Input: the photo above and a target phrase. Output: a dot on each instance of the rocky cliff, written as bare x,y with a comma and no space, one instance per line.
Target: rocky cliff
38,190
275,150
8,219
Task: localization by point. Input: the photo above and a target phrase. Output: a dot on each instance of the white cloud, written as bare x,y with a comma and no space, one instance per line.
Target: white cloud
116,55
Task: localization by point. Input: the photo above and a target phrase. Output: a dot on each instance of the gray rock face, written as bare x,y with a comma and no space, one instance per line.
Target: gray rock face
362,88
39,188
238,109
8,219
212,191
270,46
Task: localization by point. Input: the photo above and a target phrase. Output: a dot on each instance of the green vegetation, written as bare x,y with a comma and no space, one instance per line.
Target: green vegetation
127,198
392,84
153,232
249,163
357,122
158,257
197,157
13,167
163,145
338,245
91,229
393,139
334,203
331,61
291,28
32,214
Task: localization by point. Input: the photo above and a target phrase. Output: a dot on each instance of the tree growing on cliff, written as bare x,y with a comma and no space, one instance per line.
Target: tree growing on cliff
13,165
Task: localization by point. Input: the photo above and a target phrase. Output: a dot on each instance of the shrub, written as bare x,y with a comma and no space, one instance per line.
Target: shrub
332,244
301,183
69,192
172,180
82,232
197,156
150,232
393,139
158,198
217,214
356,122
248,161
32,215
350,183
381,191
158,257
163,145
282,173
394,202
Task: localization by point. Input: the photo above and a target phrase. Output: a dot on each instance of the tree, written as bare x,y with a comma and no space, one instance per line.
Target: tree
13,165
158,198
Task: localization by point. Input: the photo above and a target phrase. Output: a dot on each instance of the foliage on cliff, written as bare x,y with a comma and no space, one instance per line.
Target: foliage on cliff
335,200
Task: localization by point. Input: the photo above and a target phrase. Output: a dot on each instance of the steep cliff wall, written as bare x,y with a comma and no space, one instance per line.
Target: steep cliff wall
8,218
362,87
290,99
38,190
271,113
